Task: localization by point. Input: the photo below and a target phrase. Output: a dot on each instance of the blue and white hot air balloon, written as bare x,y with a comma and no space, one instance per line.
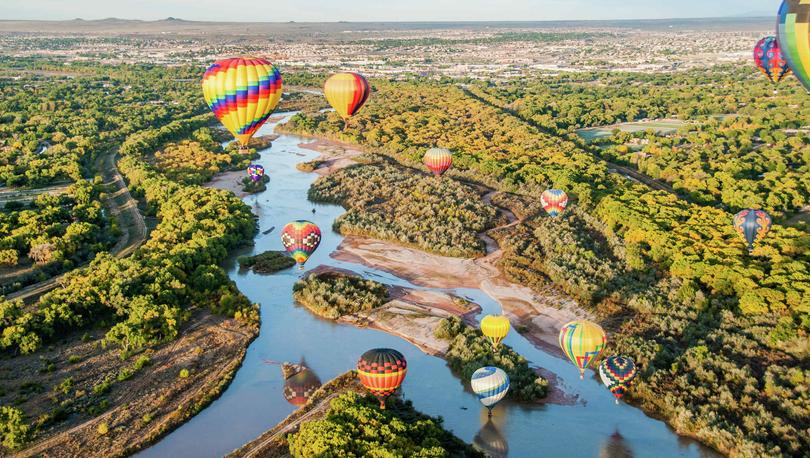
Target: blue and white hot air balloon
490,384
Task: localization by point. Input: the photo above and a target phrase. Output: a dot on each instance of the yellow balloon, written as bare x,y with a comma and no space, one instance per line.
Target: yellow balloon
495,328
582,342
346,92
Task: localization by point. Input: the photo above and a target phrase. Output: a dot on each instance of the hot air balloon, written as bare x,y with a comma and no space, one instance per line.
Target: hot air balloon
769,60
255,172
438,160
491,441
490,384
582,342
495,328
299,387
346,92
752,225
301,239
793,34
242,92
617,373
381,371
554,201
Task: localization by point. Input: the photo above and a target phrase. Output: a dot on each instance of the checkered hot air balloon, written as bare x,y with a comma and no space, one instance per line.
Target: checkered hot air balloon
582,342
769,60
490,384
301,239
554,201
381,371
255,172
752,225
793,34
495,328
242,92
346,92
617,373
438,160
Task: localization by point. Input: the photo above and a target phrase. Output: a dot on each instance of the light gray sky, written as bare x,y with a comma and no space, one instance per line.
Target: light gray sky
382,10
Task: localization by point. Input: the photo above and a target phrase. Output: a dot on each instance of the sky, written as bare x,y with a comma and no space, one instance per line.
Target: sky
382,10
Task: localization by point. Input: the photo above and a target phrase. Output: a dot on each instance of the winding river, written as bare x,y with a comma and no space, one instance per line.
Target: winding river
254,402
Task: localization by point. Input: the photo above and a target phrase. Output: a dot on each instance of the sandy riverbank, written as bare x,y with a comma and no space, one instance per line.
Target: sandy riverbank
334,155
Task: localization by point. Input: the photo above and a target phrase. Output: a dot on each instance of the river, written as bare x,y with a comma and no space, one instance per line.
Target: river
254,402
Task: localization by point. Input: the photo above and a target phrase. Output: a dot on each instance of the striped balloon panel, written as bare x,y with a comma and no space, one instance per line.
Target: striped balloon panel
438,160
582,342
793,34
752,225
346,92
301,239
495,328
490,384
554,201
769,60
617,373
381,371
300,387
242,92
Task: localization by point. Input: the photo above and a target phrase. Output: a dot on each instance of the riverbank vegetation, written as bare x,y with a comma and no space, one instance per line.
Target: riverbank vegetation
666,273
267,262
470,350
334,294
390,202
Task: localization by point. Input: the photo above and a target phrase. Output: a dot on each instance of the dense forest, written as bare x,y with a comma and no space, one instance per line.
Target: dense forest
721,335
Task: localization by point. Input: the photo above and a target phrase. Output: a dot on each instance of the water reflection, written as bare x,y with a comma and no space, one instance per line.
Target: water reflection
300,382
616,447
490,440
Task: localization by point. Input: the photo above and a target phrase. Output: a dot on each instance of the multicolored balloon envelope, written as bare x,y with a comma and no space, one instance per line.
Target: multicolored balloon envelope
381,371
438,160
617,373
582,342
346,92
301,238
793,34
242,92
490,384
495,328
752,225
769,60
554,201
298,388
255,172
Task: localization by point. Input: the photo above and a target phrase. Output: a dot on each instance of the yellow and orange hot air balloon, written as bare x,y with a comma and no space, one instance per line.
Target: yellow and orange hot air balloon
582,342
242,92
495,328
346,92
381,371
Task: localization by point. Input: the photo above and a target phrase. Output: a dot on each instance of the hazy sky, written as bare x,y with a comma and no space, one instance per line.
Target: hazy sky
381,10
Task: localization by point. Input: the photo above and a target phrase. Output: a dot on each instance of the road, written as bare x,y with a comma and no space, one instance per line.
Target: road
120,204
28,195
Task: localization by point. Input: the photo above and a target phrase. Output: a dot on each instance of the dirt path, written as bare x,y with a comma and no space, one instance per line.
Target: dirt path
121,205
28,195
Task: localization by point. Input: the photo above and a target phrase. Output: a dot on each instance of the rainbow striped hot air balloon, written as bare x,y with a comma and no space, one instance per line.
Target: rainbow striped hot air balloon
346,92
793,34
495,328
381,371
255,172
438,160
752,225
582,342
617,373
490,384
242,92
554,201
769,60
301,238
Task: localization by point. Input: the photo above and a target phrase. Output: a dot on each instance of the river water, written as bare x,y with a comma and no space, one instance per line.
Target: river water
254,402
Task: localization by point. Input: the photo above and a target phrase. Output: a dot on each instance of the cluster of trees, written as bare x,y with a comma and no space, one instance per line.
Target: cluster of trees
470,350
267,262
670,277
334,294
412,208
398,431
197,160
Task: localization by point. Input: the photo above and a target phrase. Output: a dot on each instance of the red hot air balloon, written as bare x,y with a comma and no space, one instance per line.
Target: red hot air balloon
381,371
301,239
554,201
769,60
438,160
